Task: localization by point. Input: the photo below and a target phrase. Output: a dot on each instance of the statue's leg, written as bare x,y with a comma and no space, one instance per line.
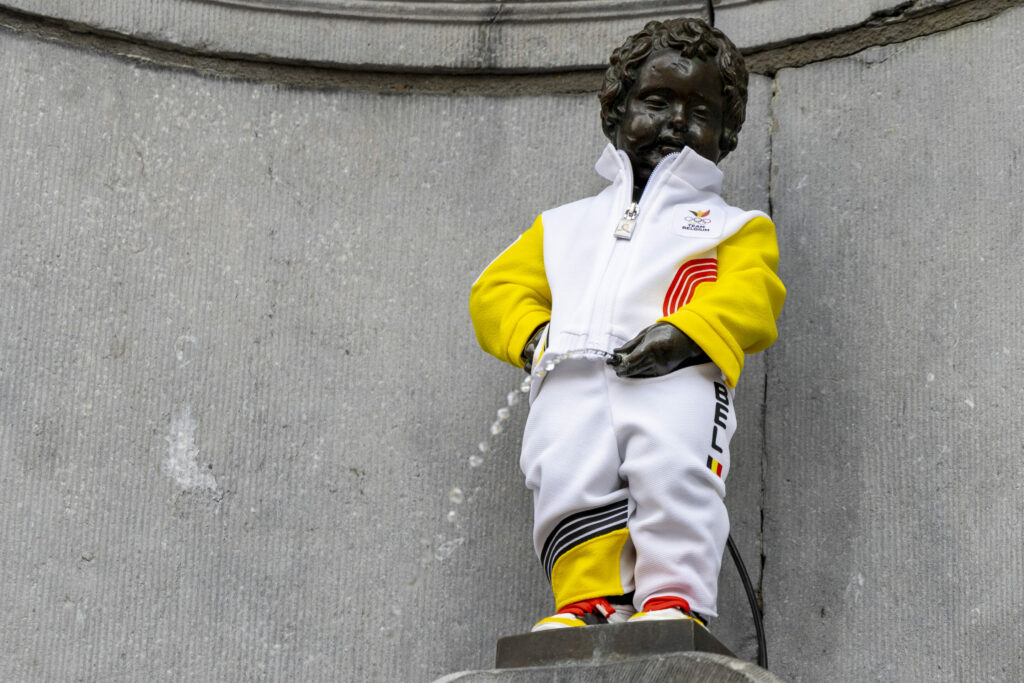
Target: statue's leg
674,432
571,462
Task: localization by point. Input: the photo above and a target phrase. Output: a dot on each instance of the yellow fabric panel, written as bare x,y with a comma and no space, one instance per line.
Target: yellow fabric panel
589,570
736,314
511,298
570,621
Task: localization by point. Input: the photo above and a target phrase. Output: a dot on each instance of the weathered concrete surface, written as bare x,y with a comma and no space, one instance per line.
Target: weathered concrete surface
746,178
239,390
465,35
774,21
894,496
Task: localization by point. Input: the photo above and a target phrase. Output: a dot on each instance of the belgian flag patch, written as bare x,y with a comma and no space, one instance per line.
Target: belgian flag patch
715,466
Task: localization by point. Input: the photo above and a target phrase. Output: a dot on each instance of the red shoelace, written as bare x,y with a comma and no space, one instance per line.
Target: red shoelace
599,605
666,602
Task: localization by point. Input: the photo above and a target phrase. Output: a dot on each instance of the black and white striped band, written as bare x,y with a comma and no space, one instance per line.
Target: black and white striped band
581,527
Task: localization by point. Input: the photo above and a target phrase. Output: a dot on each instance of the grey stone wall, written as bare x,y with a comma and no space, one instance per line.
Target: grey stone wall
240,388
894,491
240,393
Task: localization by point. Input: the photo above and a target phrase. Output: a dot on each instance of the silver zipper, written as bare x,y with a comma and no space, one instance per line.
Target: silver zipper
624,230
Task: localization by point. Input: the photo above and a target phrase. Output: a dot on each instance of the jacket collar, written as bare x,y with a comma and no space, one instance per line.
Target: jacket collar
687,165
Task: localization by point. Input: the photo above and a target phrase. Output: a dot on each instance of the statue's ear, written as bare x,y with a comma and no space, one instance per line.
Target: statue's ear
727,143
610,131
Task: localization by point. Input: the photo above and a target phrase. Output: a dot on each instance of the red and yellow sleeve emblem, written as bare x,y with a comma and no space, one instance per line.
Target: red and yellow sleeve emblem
689,275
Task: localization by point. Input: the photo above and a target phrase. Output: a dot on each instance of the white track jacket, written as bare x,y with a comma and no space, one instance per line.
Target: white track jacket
686,257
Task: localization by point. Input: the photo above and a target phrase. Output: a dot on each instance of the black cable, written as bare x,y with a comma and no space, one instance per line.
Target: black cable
755,609
711,12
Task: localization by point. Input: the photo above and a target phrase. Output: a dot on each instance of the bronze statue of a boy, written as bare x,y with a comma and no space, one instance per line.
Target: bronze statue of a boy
633,310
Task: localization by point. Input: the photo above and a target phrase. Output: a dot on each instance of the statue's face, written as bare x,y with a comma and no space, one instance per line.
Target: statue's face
675,101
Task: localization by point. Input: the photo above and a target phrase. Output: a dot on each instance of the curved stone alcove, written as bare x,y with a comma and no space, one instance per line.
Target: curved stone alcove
475,11
449,36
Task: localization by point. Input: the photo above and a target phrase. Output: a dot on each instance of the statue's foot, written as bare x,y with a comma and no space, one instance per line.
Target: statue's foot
667,608
585,613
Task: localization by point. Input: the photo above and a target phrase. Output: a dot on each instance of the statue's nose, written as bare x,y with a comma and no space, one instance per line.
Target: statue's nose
677,116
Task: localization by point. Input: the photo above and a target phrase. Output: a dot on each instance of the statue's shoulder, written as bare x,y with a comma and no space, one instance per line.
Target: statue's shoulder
581,209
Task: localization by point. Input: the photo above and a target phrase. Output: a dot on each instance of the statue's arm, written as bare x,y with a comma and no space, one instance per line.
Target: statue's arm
511,300
726,319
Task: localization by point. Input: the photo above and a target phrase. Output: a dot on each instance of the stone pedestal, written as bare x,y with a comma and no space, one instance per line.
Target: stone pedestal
610,643
653,651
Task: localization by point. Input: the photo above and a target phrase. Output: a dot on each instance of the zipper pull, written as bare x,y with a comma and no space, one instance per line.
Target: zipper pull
624,230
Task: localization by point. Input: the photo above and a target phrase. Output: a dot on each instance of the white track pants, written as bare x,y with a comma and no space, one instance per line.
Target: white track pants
628,481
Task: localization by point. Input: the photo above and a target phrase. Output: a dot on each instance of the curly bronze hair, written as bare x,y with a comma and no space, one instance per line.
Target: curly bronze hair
694,39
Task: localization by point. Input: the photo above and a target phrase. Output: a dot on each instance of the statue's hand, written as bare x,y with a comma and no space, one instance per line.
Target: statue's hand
657,350
531,346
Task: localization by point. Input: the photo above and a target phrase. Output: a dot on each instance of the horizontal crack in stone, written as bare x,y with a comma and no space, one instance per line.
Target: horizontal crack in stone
905,22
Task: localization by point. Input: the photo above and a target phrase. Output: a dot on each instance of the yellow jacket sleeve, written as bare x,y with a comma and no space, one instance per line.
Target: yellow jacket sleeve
511,298
736,314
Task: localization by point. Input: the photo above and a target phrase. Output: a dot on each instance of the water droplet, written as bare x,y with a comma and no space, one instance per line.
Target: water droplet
512,398
451,515
497,428
549,366
444,549
525,386
503,414
456,496
483,446
475,461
